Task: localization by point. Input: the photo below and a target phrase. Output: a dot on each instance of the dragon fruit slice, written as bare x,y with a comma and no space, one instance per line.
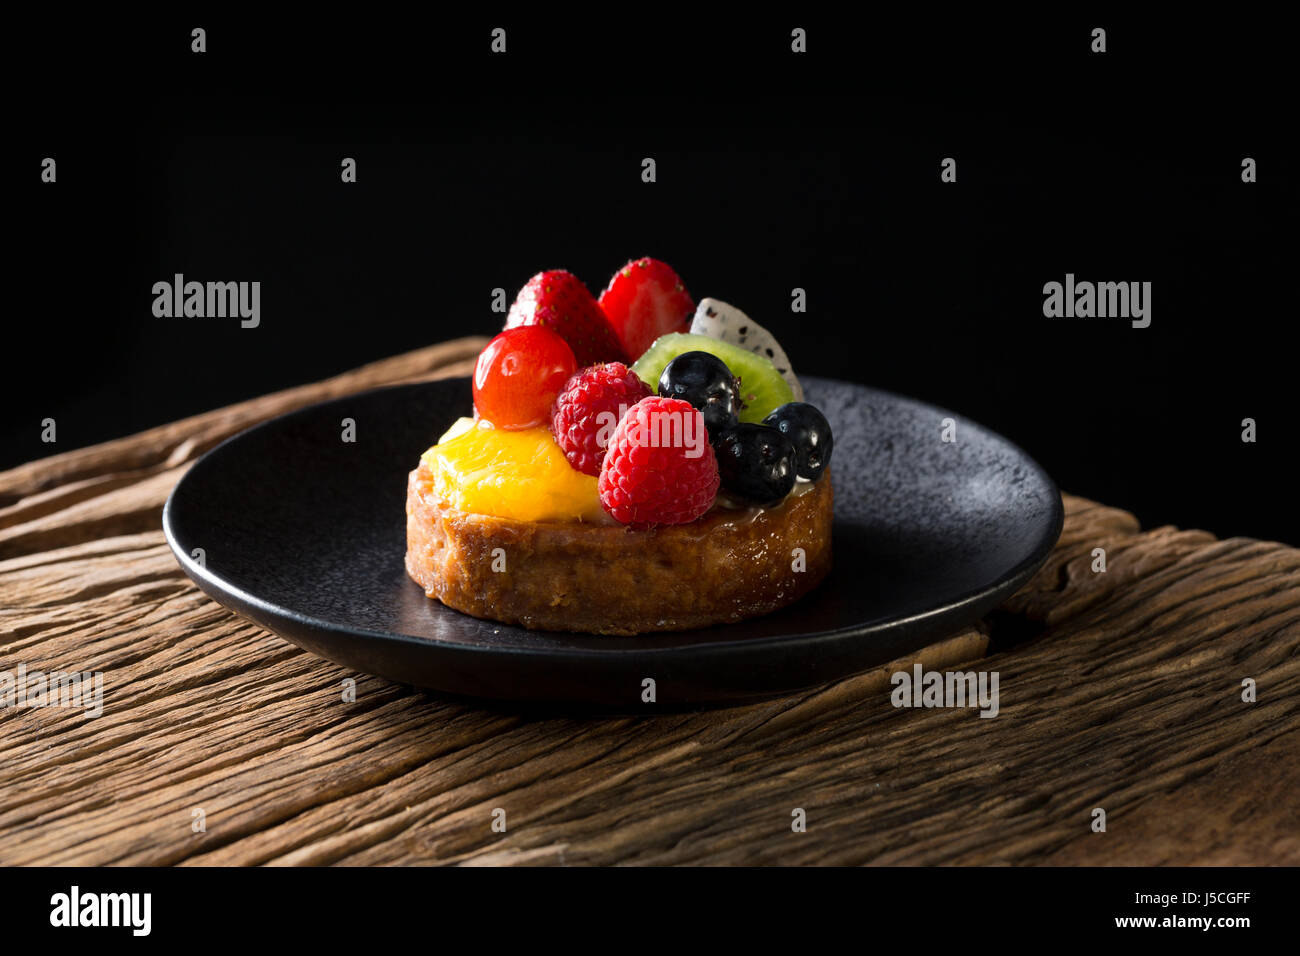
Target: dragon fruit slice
724,322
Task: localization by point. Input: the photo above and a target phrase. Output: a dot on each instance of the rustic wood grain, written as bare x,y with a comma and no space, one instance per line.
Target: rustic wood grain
1119,690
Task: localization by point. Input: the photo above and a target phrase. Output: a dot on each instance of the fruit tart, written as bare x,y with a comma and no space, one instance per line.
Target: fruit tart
689,488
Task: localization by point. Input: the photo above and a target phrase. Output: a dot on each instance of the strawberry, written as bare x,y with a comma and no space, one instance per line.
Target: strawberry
645,300
559,301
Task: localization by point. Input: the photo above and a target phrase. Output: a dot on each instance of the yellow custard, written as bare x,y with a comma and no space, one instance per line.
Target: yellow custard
510,474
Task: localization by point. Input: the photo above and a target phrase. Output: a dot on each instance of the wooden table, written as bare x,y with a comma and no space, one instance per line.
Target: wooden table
221,744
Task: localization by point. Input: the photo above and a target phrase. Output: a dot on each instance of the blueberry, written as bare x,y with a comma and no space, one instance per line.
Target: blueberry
810,434
705,381
756,463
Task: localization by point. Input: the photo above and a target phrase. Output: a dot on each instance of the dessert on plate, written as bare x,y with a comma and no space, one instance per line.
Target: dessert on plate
689,488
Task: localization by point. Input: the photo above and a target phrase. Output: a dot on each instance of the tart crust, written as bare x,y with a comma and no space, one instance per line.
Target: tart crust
600,579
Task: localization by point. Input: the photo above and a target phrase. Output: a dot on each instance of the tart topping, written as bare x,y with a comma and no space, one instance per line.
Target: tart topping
560,302
518,375
726,323
705,381
756,463
659,467
761,386
518,474
563,431
809,433
459,427
589,408
645,300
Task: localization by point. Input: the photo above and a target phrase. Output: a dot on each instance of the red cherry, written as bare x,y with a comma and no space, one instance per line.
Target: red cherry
518,375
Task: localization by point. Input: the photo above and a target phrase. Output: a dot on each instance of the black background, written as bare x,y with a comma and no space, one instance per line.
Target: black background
819,171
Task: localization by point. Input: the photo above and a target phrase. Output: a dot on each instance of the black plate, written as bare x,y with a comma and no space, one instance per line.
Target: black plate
305,534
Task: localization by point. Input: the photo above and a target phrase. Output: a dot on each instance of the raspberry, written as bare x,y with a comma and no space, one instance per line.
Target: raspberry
659,468
587,409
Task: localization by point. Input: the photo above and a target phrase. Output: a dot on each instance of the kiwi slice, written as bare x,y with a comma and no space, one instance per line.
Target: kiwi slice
761,386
